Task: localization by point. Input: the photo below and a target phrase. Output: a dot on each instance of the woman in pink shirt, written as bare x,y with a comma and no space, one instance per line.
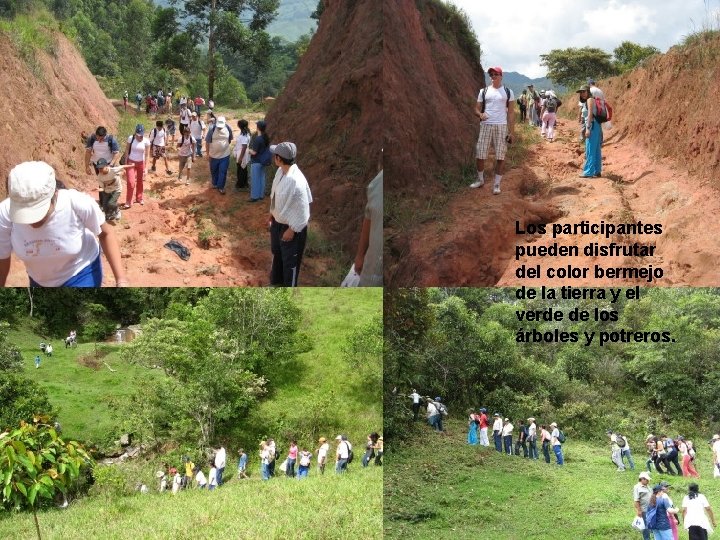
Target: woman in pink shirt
291,459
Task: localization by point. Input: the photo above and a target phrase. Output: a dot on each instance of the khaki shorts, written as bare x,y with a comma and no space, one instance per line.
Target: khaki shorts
185,162
492,134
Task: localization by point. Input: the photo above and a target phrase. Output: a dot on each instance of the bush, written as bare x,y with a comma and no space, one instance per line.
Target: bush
109,482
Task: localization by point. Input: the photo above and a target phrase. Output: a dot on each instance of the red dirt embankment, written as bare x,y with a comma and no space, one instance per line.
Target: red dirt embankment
330,108
46,109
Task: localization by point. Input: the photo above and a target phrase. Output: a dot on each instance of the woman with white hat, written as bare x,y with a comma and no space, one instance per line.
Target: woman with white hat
56,232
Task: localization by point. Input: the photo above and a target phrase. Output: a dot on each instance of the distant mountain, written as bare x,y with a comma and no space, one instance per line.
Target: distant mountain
293,18
517,82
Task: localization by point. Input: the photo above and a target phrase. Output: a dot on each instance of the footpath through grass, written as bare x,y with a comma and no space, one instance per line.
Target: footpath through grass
330,506
440,487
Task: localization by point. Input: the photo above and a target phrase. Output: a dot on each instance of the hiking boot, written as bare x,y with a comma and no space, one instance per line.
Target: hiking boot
496,190
479,182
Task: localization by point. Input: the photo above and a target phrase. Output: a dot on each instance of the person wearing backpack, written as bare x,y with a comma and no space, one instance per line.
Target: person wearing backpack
672,453
157,140
217,145
688,469
101,145
556,440
592,134
531,99
641,500
624,445
342,454
657,519
495,108
615,452
138,155
549,115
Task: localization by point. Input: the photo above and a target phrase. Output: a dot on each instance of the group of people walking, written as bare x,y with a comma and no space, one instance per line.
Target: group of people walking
526,440
297,464
667,455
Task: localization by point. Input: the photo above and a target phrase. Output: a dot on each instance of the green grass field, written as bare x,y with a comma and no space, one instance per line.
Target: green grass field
348,506
440,487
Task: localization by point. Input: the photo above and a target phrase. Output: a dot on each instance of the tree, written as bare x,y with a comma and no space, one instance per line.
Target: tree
21,399
35,464
10,359
628,55
220,21
569,67
363,351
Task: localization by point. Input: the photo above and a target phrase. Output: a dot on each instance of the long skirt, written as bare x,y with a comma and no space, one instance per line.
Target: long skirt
472,433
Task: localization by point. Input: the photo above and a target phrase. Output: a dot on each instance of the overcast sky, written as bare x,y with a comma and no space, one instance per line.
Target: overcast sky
513,36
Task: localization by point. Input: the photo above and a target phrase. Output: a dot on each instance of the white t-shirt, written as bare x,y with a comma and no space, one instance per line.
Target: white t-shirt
415,397
696,512
290,198
184,116
496,104
196,129
220,458
157,136
213,476
532,430
137,148
431,410
497,425
323,452
344,449
187,147
555,434
65,244
112,181
305,458
101,149
507,429
239,142
200,478
715,446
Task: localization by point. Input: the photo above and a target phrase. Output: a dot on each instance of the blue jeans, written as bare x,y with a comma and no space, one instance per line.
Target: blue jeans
593,154
290,471
218,171
558,454
303,471
265,471
662,534
546,451
433,421
626,454
220,471
532,445
507,440
341,466
257,181
497,439
198,148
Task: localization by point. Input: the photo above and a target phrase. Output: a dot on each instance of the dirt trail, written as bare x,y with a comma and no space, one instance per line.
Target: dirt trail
239,247
475,243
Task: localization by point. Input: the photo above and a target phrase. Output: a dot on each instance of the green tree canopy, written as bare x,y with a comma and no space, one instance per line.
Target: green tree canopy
628,55
572,66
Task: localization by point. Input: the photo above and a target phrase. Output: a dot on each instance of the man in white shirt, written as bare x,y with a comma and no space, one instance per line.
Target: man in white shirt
220,459
507,430
556,444
197,130
497,432
290,200
532,438
432,414
342,454
416,404
495,108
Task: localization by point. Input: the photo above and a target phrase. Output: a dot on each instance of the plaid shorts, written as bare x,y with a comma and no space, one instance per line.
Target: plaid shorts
492,134
158,151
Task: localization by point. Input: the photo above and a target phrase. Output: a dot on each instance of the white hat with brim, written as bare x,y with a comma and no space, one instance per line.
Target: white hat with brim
31,186
553,424
645,475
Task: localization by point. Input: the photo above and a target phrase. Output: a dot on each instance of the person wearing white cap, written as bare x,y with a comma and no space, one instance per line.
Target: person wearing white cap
507,436
495,108
342,454
497,431
218,141
641,498
532,439
197,130
54,231
290,200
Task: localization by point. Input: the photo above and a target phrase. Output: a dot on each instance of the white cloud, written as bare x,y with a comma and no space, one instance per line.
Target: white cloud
514,35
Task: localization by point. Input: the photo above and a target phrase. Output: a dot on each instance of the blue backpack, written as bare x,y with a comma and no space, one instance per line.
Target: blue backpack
651,517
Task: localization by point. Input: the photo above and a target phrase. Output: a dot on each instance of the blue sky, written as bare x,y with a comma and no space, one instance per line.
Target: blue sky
513,35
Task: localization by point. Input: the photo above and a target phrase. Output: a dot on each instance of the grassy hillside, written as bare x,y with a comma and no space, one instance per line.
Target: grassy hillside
440,487
83,393
330,506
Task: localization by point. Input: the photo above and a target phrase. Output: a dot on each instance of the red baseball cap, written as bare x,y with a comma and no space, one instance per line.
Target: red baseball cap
497,70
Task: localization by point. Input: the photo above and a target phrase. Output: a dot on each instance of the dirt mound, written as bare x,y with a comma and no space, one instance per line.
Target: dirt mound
669,105
330,108
47,105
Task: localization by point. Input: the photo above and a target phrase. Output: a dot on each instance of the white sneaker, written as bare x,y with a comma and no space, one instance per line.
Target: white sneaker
477,183
496,190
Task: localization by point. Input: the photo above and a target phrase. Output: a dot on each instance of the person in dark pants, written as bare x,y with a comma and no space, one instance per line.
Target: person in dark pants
521,441
416,404
290,200
545,437
497,432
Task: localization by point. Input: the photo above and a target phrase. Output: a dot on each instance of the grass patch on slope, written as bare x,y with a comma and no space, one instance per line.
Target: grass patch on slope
329,506
440,487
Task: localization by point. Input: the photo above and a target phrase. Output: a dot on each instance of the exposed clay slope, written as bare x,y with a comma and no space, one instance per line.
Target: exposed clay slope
45,111
330,108
670,106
